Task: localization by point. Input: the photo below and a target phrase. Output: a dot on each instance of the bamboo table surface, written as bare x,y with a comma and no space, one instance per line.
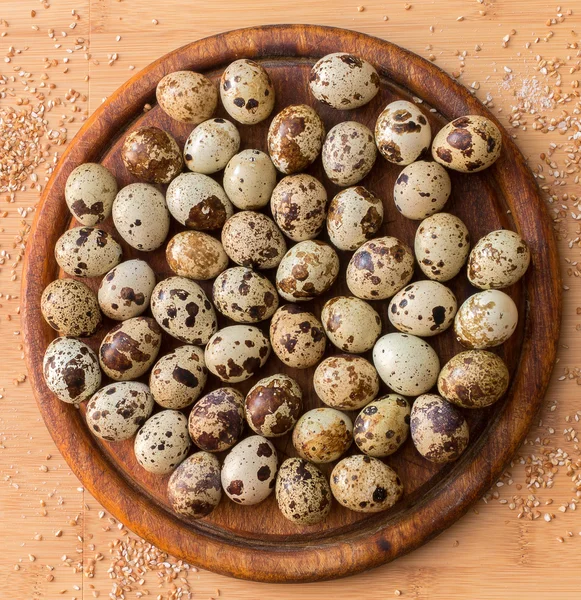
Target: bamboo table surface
490,553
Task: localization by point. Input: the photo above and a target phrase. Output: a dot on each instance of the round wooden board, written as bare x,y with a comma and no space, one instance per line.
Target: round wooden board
256,542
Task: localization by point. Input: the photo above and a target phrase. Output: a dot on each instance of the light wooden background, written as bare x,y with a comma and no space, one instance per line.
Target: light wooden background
489,553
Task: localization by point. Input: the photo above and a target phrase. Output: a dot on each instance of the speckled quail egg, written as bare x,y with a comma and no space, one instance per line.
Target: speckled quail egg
485,320
249,471
348,153
379,268
125,291
421,189
217,420
87,252
473,379
182,309
406,364
273,405
163,442
177,379
198,202
194,488
70,307
141,216
152,155
298,205
71,370
297,337
346,381
249,179
343,81
211,145
423,308
365,484
302,492
237,352
89,193
382,426
442,244
439,431
467,144
247,92
187,96
130,348
307,270
252,239
351,324
244,295
196,255
354,216
322,435
118,410
295,138
402,132
498,260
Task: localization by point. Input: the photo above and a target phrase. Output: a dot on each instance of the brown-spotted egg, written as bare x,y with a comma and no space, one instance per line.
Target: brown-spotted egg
196,255
211,145
249,179
89,193
187,96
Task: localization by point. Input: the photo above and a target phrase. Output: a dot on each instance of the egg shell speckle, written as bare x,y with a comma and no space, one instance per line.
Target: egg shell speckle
194,488
89,193
322,435
485,320
163,442
187,96
307,270
217,420
302,492
130,348
249,179
439,431
177,379
237,352
71,370
249,471
365,484
118,410
442,243
244,295
211,145
379,268
183,310
196,255
351,324
406,363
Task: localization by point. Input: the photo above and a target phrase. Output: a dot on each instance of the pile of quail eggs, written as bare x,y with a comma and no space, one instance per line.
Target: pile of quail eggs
256,236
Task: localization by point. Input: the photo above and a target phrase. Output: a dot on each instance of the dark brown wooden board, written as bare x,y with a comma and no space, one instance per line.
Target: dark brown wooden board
257,542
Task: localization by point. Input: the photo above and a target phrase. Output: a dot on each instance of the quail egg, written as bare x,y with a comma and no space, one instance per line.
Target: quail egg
407,364
217,420
498,260
354,216
467,144
295,138
211,145
351,324
163,442
187,96
307,270
249,471
237,352
130,348
365,484
297,337
379,268
322,435
118,410
402,132
71,370
89,193
439,431
244,295
485,320
196,255
249,179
